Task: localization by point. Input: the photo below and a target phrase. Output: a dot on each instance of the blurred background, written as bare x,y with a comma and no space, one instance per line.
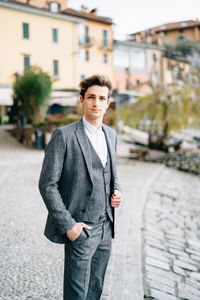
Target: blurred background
150,49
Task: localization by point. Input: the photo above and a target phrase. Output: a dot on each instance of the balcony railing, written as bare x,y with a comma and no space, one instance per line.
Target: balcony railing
106,44
87,41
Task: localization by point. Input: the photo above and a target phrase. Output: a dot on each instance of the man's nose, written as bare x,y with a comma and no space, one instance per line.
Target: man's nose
96,102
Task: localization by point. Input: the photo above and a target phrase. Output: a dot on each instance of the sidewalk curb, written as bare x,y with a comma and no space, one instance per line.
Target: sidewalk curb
149,185
129,277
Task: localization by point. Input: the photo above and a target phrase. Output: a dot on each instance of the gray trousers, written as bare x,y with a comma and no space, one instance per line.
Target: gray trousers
86,260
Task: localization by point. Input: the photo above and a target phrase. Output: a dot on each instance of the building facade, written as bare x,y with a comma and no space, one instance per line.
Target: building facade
140,67
51,5
170,32
36,37
95,38
137,65
174,69
67,44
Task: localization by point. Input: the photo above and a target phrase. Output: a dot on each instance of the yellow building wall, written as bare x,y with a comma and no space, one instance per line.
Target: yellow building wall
96,60
39,46
167,71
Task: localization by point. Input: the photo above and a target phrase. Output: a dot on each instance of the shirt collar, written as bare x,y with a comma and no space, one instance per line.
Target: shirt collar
91,127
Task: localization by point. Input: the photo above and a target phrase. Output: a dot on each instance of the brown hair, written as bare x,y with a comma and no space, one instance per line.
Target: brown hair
100,80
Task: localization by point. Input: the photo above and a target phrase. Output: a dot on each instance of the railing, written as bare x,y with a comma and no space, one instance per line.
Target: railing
87,42
106,44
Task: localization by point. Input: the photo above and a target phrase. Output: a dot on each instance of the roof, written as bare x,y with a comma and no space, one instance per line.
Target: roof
138,45
87,15
24,7
68,13
171,26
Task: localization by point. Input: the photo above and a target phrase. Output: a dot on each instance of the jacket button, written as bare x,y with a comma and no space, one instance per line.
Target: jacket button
83,210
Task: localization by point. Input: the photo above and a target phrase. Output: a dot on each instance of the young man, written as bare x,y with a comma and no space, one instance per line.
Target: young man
79,186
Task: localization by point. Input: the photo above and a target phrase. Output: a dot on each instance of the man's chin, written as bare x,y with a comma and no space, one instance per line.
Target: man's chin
96,116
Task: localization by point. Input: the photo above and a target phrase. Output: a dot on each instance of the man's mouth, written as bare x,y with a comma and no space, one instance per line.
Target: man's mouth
96,110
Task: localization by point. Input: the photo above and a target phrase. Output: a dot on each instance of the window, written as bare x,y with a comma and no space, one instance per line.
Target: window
26,31
184,24
138,60
138,82
84,55
83,34
180,38
87,57
105,58
87,38
26,62
55,35
81,54
105,38
55,68
154,57
121,58
82,77
54,7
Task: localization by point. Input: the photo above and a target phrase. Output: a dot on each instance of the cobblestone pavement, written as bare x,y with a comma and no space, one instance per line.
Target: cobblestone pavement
31,266
171,232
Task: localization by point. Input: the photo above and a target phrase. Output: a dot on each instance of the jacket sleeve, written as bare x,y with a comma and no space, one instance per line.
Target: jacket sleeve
48,182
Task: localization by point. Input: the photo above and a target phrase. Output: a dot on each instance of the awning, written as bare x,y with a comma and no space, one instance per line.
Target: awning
59,97
64,98
6,96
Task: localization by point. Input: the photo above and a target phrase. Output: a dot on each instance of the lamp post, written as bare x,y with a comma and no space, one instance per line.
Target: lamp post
117,105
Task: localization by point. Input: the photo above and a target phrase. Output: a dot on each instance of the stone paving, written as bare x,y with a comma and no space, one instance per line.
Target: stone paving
31,266
171,232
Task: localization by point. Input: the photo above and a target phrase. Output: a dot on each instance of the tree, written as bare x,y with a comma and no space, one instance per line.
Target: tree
186,47
190,50
32,92
183,47
171,108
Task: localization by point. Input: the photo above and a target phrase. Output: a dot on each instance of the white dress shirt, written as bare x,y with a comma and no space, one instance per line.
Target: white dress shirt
97,139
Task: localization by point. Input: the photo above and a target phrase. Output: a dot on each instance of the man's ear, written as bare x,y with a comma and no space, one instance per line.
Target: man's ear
108,104
81,99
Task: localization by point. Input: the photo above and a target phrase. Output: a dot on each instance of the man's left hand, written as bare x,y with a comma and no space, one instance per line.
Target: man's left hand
116,199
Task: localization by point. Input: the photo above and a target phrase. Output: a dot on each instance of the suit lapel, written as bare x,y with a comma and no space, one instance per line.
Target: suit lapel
84,145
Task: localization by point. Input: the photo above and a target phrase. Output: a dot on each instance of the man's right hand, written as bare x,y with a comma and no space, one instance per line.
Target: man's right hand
74,233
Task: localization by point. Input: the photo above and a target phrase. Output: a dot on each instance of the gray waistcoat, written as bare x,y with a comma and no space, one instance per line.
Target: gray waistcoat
99,202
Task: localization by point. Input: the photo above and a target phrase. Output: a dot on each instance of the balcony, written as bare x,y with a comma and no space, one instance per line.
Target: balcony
86,42
106,45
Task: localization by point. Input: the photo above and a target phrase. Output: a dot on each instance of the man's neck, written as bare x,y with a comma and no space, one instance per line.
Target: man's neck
95,122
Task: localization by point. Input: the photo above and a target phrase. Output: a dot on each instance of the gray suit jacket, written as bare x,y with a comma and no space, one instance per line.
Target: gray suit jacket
66,178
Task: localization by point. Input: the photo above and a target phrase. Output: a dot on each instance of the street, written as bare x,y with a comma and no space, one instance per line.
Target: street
171,245
162,262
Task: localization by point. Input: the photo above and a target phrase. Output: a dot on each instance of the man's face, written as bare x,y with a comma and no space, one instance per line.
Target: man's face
95,102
